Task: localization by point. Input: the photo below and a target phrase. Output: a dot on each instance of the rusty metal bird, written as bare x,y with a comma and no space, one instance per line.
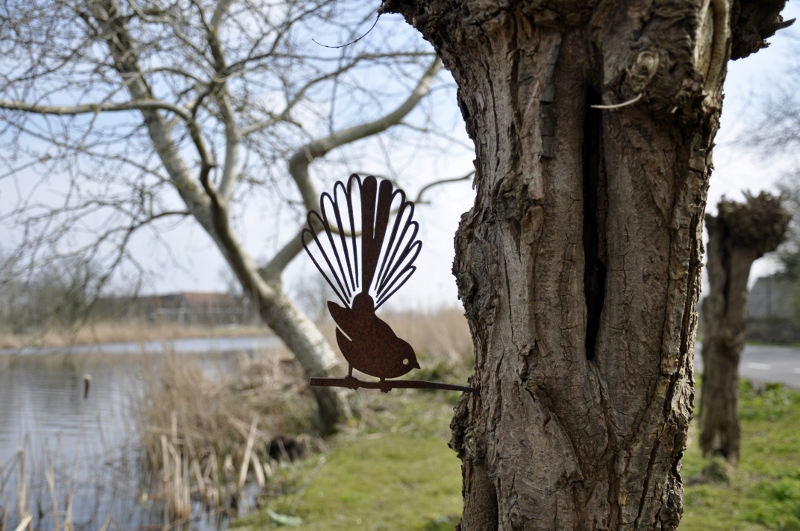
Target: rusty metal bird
365,261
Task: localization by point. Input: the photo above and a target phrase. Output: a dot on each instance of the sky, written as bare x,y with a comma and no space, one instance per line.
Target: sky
736,168
194,264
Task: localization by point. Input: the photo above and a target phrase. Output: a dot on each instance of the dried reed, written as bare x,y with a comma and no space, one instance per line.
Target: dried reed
202,436
26,496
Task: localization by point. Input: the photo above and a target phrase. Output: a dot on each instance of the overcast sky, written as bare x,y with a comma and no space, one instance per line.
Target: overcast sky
194,263
736,169
748,81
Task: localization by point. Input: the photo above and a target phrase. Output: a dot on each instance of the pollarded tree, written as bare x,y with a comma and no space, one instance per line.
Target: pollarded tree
143,113
579,264
739,234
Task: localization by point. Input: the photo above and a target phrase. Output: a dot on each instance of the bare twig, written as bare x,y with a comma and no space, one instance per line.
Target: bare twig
418,200
95,108
306,484
619,105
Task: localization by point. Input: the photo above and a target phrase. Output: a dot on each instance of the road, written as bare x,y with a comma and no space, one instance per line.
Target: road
765,363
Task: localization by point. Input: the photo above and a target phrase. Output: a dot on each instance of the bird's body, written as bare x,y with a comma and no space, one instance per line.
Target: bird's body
379,263
368,343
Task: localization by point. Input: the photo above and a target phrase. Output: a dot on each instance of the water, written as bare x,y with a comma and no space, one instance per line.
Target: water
189,345
88,443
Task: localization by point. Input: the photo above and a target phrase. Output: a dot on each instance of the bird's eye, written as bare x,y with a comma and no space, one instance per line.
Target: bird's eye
405,361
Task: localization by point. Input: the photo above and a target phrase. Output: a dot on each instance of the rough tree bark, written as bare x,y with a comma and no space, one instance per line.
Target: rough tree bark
579,264
737,236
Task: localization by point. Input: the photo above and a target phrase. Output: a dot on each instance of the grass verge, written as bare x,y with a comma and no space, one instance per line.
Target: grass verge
764,492
392,471
395,471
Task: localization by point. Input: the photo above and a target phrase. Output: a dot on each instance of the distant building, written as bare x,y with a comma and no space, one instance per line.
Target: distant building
771,311
185,307
771,296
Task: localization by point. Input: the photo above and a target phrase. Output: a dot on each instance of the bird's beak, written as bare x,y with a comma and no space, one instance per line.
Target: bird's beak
416,365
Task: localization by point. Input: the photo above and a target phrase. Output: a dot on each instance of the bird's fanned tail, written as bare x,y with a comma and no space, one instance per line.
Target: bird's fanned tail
364,239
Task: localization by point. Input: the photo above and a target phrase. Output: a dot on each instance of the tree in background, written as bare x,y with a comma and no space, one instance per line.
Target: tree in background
775,136
739,234
788,254
144,113
59,293
579,264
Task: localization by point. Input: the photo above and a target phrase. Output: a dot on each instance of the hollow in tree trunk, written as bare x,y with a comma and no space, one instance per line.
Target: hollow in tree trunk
579,264
737,236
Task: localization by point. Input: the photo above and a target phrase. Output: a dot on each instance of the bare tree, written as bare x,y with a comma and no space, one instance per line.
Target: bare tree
788,258
774,134
60,293
579,264
142,113
739,234
774,129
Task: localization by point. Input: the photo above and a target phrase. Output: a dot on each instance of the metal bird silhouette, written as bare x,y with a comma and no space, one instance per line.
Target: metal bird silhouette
364,242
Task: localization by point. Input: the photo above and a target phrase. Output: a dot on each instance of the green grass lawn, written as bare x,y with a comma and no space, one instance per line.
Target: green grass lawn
764,493
395,471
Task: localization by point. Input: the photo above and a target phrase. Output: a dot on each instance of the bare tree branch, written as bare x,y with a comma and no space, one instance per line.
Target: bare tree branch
115,32
418,200
220,91
221,94
301,93
219,12
299,162
94,108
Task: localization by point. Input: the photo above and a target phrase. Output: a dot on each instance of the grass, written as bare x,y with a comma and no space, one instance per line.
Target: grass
764,493
395,471
392,468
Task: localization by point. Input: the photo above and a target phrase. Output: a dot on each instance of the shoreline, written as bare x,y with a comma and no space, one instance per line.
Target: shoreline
113,333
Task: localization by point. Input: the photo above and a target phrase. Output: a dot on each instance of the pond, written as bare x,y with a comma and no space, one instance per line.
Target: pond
70,455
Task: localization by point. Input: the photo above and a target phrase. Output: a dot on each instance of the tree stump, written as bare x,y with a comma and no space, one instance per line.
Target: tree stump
737,236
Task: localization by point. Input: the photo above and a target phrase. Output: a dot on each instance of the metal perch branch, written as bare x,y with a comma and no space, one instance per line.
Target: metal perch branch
351,382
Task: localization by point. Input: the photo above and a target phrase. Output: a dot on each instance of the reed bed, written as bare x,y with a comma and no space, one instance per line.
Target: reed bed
44,492
441,336
203,437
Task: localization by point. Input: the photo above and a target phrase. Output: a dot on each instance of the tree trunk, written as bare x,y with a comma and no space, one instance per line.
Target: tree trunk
313,353
579,264
739,235
290,324
210,210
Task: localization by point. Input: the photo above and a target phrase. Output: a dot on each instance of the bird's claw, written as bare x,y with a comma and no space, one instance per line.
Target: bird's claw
385,386
351,382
